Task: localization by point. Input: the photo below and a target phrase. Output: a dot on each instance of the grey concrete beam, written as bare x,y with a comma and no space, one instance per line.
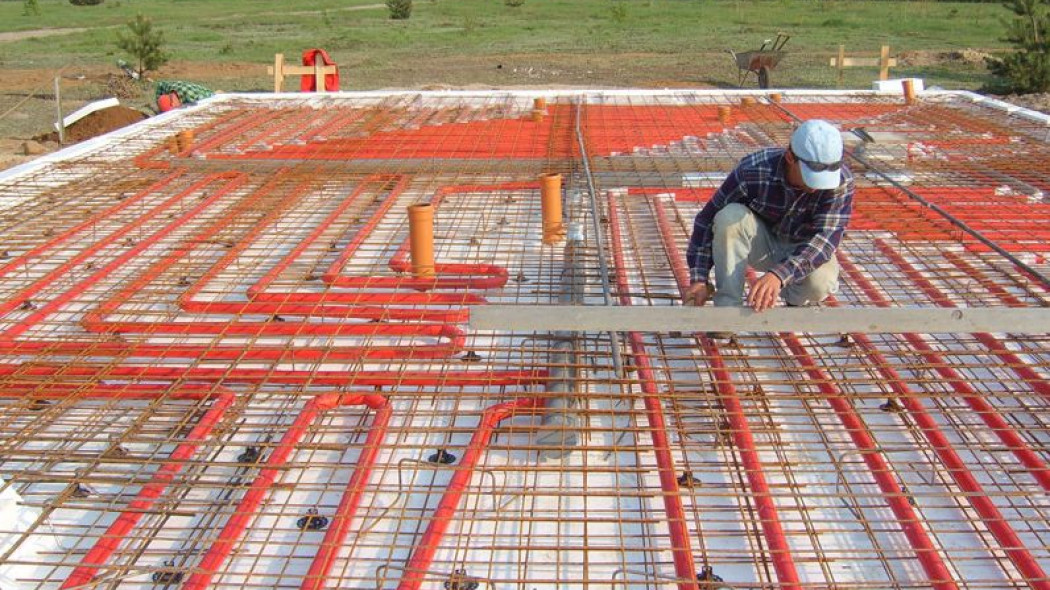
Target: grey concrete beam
922,320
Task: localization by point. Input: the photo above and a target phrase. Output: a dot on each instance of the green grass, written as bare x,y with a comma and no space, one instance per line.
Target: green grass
382,52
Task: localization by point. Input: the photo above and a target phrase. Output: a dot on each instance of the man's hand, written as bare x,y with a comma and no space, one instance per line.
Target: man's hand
764,292
697,294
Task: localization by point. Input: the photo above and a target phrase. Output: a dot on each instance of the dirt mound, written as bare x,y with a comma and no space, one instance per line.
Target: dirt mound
97,123
973,57
968,56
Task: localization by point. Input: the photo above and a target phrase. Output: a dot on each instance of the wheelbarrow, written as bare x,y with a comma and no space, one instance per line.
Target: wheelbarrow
761,61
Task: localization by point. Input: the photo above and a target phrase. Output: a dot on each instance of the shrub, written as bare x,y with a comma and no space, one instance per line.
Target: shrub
30,8
514,3
1027,69
399,9
144,43
85,2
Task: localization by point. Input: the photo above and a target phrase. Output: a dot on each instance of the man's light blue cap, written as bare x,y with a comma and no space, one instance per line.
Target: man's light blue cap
818,141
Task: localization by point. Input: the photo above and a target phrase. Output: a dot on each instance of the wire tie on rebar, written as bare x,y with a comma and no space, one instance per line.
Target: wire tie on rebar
38,404
907,494
689,480
312,521
169,575
725,433
459,580
276,318
891,405
471,357
442,457
116,451
250,455
708,578
27,305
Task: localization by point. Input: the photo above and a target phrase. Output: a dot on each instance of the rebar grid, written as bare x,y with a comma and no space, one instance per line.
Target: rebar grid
219,370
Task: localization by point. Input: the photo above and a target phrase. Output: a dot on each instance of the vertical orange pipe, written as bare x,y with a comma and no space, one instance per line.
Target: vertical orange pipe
723,115
539,109
909,91
184,140
421,238
550,200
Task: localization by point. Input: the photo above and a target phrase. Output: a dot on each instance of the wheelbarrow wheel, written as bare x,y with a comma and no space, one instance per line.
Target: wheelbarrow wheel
763,77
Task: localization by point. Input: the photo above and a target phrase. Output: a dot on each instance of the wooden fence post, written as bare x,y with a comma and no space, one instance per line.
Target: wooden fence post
278,72
840,63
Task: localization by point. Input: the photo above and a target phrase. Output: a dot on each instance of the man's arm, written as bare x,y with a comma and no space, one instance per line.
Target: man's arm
831,220
698,254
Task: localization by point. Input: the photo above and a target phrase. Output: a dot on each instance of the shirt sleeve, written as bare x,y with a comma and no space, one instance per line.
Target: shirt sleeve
830,219
698,254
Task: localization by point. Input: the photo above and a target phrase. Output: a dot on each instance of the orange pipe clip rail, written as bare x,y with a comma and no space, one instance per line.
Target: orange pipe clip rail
253,498
779,548
117,533
423,554
983,409
682,549
995,346
939,575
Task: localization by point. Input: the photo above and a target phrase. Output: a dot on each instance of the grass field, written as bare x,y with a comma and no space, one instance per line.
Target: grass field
563,41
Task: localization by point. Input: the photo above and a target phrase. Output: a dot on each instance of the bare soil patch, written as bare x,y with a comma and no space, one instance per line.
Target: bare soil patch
43,79
970,57
20,35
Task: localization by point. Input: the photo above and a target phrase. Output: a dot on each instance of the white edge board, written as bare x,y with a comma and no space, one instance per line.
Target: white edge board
86,110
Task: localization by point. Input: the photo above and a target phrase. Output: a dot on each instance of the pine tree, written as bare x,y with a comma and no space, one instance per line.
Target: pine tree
399,9
1028,68
144,43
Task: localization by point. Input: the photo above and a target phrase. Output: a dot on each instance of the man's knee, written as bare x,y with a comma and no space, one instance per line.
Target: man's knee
816,287
732,217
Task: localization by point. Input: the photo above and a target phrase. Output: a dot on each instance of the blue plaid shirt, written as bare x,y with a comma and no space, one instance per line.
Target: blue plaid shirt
815,222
